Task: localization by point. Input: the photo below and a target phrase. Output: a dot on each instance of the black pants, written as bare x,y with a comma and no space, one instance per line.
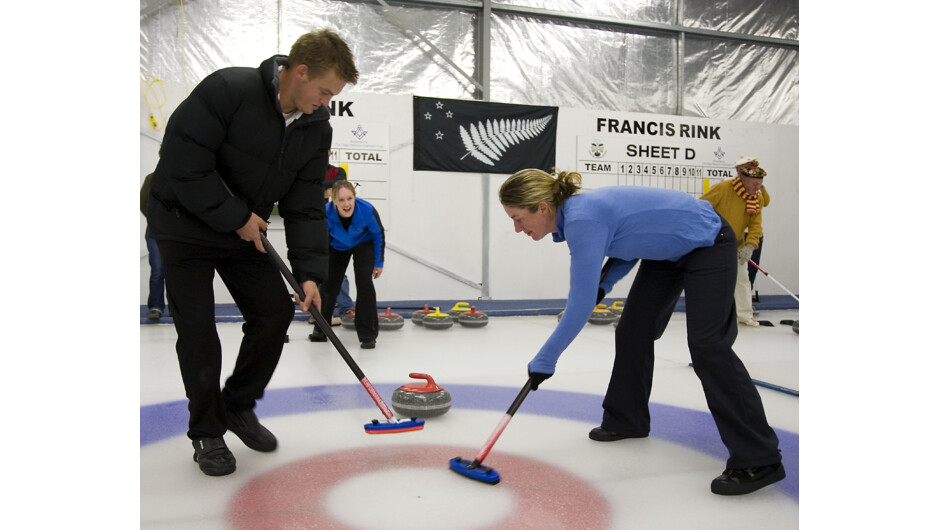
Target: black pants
755,257
367,316
260,294
708,277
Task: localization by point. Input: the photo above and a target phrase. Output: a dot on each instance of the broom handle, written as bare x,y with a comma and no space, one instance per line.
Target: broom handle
502,425
327,329
772,278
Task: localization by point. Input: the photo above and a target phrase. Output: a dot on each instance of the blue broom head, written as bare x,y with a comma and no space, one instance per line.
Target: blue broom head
388,427
481,473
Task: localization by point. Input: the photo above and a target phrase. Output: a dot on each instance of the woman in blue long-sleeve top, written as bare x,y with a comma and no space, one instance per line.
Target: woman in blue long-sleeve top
683,245
356,232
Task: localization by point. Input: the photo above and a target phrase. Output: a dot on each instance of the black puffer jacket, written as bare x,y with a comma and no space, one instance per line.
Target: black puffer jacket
230,132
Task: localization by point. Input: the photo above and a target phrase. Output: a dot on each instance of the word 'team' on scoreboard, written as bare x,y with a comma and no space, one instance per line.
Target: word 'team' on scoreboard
652,151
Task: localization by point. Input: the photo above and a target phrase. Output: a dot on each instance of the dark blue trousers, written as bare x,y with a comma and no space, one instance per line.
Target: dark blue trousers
155,298
707,275
367,316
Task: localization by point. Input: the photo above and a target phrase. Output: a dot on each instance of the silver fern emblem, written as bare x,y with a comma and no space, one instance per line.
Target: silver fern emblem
488,141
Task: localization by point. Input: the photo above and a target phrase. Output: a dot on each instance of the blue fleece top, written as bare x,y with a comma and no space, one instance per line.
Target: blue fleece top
365,226
626,223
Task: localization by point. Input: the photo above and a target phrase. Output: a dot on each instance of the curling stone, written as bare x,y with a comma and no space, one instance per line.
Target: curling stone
473,318
601,316
418,316
389,320
437,320
459,309
420,400
348,320
616,308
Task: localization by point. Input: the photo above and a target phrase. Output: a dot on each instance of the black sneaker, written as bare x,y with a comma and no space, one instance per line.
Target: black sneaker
742,481
600,434
154,314
317,336
249,430
213,457
368,345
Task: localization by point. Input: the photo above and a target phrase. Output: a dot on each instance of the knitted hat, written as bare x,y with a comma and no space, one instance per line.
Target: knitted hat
334,174
748,166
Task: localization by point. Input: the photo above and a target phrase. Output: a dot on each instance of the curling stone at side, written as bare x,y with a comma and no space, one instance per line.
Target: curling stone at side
459,309
437,320
418,316
348,320
420,400
602,316
390,321
616,308
473,318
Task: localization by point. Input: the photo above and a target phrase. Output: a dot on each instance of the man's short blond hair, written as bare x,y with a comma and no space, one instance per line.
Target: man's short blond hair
323,51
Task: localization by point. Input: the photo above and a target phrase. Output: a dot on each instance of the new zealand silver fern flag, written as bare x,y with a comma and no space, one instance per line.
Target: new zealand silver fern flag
482,137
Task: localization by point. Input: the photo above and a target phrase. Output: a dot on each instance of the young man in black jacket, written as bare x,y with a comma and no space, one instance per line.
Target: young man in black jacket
244,139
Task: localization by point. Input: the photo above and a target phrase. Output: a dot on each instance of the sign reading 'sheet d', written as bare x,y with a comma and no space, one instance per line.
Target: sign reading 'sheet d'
482,137
681,153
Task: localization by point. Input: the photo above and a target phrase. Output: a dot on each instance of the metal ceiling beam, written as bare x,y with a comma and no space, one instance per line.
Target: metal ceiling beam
600,21
408,28
152,6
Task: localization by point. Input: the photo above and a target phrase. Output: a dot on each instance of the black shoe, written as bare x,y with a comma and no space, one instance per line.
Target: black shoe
317,336
154,314
742,481
600,434
213,457
368,345
245,425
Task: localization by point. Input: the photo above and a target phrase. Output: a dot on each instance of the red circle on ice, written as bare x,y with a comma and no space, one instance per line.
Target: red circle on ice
293,496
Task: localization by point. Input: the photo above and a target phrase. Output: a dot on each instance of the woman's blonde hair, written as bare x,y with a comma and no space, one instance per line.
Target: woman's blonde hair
529,187
340,184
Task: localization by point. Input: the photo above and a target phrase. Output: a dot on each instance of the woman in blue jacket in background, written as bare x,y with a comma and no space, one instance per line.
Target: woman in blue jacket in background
356,232
683,245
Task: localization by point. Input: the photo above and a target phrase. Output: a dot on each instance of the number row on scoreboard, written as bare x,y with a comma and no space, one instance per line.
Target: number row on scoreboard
659,170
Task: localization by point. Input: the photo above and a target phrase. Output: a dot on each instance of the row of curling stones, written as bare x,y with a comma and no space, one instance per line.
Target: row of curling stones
462,313
602,315
387,320
420,400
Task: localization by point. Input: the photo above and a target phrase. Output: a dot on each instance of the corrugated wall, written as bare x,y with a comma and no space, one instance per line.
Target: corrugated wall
734,59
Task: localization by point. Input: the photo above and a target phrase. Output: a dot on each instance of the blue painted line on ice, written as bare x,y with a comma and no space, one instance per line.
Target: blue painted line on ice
690,428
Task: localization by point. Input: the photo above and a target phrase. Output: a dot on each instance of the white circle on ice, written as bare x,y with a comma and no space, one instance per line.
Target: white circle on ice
438,498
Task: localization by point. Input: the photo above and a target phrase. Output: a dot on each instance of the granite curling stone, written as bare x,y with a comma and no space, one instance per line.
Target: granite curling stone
418,316
459,309
421,400
601,316
616,308
348,320
473,318
390,321
437,320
